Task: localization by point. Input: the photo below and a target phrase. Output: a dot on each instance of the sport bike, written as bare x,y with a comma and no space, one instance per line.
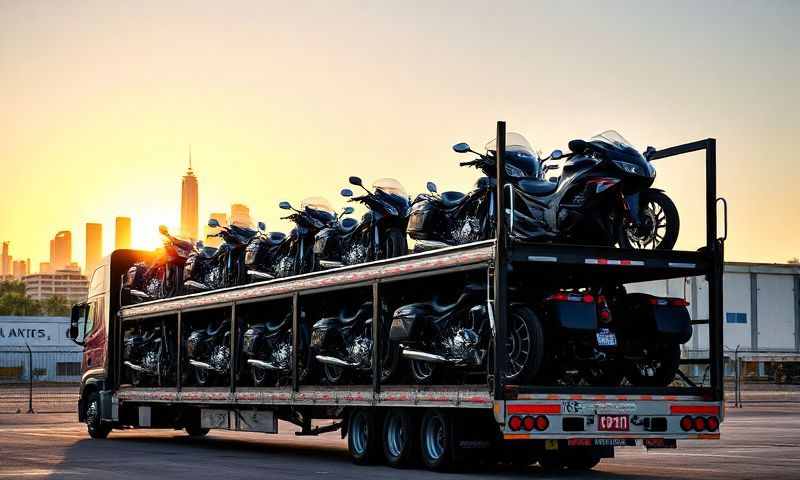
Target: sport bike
295,254
162,278
210,268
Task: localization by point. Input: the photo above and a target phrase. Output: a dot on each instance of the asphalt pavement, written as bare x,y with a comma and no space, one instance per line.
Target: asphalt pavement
759,441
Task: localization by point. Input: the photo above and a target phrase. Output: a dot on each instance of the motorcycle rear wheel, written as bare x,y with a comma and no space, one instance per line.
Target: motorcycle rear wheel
660,224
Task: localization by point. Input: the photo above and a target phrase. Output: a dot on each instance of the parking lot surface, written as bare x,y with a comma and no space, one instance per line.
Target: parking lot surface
758,441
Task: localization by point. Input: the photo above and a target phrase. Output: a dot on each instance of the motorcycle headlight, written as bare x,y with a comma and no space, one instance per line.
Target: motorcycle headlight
629,167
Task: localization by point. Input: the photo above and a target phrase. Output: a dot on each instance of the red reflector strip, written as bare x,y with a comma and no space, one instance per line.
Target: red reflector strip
606,261
532,409
694,409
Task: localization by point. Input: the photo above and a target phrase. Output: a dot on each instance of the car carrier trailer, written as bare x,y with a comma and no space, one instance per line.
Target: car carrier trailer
559,426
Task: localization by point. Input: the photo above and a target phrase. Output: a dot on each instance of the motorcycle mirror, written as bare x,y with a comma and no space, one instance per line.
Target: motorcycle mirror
348,210
213,223
346,192
649,151
285,205
356,181
461,147
431,187
262,226
162,229
556,154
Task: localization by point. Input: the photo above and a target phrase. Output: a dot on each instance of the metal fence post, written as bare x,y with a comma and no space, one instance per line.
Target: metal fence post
30,378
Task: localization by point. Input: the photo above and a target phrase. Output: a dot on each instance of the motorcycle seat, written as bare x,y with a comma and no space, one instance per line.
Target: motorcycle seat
348,224
537,187
273,327
470,290
211,331
348,317
451,199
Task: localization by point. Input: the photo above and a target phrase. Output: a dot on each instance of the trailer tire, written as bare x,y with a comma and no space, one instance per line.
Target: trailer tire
94,422
436,440
364,436
400,437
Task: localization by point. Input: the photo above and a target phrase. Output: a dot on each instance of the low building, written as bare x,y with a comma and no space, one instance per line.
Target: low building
69,284
52,356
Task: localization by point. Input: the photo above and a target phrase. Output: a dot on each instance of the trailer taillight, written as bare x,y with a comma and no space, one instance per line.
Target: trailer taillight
712,423
515,423
542,423
686,423
528,423
699,424
588,298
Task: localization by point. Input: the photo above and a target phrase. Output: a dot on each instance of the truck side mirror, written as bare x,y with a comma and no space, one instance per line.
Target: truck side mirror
77,314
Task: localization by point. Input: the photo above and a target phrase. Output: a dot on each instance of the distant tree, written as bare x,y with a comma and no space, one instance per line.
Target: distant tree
12,286
794,261
56,306
15,304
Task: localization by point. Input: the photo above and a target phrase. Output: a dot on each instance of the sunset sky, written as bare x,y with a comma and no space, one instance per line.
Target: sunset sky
99,102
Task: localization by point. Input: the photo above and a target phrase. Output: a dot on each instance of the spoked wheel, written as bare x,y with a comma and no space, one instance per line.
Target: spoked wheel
524,346
659,224
657,368
436,442
364,436
399,437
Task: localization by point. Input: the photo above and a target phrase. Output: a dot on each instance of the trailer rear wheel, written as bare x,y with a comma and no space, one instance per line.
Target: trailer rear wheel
364,436
436,438
94,422
399,437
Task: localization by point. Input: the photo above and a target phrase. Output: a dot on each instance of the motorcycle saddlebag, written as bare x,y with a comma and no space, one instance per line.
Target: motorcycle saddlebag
666,317
572,317
407,321
322,331
253,340
422,221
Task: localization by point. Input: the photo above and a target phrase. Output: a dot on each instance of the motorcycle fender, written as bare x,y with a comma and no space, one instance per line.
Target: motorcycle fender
672,323
407,322
573,317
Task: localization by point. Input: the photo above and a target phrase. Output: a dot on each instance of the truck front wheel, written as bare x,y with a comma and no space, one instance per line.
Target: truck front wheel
94,422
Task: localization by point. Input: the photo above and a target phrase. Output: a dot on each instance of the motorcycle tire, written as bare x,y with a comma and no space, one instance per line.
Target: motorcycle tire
395,243
334,375
261,378
658,205
425,373
202,377
668,358
524,347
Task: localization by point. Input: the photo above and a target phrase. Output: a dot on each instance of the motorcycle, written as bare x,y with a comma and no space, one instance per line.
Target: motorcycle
603,197
162,278
148,356
443,334
267,348
295,254
209,352
379,235
343,344
208,268
259,254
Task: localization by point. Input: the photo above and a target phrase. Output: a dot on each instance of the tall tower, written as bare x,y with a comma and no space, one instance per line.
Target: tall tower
122,238
94,247
5,262
189,202
62,250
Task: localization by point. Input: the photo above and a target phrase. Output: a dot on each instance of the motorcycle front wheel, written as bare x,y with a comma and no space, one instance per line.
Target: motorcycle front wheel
659,225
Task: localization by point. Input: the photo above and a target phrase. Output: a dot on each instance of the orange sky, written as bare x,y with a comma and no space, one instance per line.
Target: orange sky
101,101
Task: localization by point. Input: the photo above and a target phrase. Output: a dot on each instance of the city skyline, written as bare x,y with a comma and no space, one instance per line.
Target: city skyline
189,201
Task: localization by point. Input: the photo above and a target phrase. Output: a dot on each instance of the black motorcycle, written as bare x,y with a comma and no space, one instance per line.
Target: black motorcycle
209,352
379,235
162,278
603,197
148,356
343,345
295,254
260,252
447,335
208,268
267,348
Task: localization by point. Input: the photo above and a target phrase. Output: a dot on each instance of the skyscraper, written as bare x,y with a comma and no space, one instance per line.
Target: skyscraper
189,203
240,215
222,218
62,250
122,234
5,262
94,247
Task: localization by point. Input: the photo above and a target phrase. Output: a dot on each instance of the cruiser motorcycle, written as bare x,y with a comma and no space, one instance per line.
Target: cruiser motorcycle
445,335
147,356
209,268
267,348
379,235
162,278
603,197
343,344
209,352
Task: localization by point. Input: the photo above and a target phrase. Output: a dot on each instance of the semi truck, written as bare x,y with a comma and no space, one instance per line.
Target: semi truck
442,425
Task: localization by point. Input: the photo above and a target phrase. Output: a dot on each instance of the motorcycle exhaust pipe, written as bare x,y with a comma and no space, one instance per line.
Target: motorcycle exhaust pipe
139,294
426,357
328,264
262,364
202,365
335,361
255,274
427,245
138,368
194,284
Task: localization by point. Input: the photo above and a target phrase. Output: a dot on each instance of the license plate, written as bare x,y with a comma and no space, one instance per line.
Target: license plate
606,338
613,423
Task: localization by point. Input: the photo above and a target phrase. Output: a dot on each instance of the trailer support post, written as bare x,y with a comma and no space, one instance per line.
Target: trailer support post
377,354
500,266
295,341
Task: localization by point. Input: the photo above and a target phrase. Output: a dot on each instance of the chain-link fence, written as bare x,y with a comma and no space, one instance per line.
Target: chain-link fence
39,380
